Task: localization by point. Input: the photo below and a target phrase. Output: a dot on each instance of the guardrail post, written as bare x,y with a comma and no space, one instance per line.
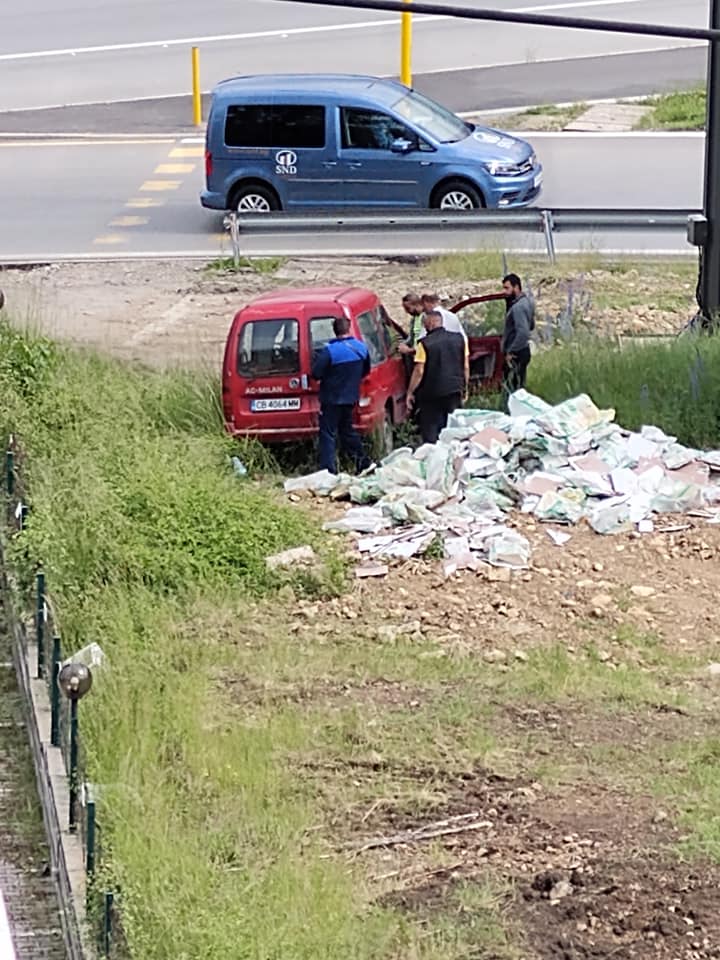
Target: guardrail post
548,227
55,695
40,617
233,225
24,511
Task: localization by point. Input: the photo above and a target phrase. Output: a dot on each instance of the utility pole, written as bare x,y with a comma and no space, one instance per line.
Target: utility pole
709,287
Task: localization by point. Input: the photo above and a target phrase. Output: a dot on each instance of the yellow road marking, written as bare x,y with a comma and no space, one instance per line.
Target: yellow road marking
142,203
175,167
161,185
111,238
128,221
187,152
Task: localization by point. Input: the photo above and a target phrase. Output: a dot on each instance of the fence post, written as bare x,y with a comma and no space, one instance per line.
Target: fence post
40,616
107,923
90,834
55,695
10,472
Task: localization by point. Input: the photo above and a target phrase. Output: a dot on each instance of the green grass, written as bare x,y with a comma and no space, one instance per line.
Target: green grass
263,265
684,110
673,384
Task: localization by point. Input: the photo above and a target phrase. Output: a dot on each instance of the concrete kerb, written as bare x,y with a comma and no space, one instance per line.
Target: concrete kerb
67,861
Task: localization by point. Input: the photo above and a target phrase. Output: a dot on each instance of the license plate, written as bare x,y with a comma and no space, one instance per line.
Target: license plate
275,403
538,180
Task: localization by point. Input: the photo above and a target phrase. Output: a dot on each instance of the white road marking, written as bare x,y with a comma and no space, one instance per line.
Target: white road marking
291,32
583,56
369,251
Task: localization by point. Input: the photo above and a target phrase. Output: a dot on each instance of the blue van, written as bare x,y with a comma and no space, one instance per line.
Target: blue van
298,142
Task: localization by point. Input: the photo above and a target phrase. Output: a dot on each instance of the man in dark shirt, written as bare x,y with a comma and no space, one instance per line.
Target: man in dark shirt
519,324
340,366
440,376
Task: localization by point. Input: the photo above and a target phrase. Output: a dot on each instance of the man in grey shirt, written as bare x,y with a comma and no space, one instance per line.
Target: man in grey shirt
519,324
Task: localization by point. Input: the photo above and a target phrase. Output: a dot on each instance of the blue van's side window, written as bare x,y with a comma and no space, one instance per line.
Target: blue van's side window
371,129
275,125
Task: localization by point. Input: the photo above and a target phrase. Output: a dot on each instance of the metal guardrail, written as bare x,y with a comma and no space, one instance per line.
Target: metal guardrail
527,220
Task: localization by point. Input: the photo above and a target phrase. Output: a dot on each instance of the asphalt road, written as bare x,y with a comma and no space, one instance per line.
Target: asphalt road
80,198
99,50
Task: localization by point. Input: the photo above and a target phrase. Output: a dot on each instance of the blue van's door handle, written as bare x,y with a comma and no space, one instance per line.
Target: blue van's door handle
355,164
330,163
424,163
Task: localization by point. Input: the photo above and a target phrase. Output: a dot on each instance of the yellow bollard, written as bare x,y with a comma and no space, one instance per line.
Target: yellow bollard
196,96
406,47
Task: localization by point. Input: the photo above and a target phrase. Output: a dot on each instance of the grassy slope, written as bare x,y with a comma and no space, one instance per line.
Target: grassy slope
156,551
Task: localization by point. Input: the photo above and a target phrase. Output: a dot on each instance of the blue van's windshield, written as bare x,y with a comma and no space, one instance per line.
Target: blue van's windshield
431,118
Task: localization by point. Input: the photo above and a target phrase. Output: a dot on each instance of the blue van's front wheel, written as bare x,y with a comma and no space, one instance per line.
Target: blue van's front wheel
254,198
457,195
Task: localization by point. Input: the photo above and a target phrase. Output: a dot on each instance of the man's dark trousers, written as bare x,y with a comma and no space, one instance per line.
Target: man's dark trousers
336,424
515,371
433,415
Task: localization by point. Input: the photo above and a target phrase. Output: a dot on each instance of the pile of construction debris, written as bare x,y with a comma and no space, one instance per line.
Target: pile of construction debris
563,464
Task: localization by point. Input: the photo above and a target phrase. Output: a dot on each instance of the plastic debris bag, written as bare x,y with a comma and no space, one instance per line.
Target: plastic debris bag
508,549
572,417
561,506
321,483
360,520
524,404
440,469
610,516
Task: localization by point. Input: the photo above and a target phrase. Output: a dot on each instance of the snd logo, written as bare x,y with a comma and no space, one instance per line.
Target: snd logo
286,158
285,162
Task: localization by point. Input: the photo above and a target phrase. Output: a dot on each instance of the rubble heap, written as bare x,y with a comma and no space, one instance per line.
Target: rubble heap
564,464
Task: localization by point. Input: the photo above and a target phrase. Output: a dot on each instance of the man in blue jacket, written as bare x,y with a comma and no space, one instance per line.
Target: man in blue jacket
340,366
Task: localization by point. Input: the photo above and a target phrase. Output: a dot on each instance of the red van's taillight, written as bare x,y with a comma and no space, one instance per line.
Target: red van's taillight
208,164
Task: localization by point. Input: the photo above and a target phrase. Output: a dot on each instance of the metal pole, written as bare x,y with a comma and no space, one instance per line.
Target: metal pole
514,16
107,923
406,47
73,765
710,262
90,839
40,623
196,95
55,695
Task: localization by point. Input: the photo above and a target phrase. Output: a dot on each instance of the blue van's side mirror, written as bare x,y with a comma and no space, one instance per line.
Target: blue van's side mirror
402,146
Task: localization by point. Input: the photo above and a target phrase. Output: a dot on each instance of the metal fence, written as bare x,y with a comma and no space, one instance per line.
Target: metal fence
35,600
530,220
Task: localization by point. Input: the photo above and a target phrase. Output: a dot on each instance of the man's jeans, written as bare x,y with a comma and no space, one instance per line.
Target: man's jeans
336,424
515,372
434,413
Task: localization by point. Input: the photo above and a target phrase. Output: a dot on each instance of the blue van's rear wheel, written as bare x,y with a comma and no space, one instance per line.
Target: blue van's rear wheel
255,198
457,195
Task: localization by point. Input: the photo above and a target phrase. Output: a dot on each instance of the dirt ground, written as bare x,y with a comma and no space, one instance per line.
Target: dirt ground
577,818
178,313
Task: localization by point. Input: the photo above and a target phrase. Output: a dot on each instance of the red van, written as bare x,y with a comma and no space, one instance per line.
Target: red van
268,391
